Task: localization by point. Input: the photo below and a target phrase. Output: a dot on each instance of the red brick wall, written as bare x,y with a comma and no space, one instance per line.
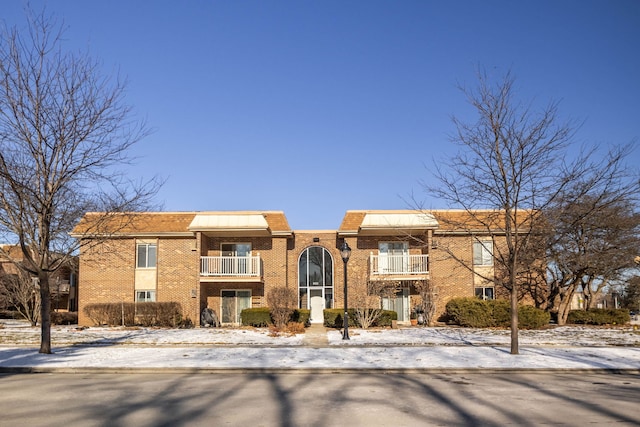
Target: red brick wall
450,278
304,240
106,274
178,275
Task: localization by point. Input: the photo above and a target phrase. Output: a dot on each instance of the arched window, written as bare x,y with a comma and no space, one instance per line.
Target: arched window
315,276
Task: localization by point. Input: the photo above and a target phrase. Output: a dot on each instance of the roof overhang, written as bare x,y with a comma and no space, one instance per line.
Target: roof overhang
230,224
393,224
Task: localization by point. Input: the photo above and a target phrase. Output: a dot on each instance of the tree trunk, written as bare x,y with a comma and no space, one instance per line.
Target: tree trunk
45,313
514,319
564,307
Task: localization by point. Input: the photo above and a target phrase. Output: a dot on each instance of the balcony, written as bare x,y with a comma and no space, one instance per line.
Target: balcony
231,268
403,266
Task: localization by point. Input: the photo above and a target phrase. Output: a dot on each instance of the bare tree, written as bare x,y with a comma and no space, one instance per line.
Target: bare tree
594,233
367,297
510,165
64,133
282,302
21,292
631,294
428,300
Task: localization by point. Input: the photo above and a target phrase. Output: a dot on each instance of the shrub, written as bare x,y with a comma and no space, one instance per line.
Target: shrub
469,312
282,302
294,328
476,313
111,314
64,318
386,317
301,315
333,318
187,323
163,314
599,316
263,316
9,314
499,312
366,317
257,317
530,317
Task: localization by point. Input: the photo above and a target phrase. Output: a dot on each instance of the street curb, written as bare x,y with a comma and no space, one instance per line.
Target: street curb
314,371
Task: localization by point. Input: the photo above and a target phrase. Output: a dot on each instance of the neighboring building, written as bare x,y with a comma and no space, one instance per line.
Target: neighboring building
62,283
229,261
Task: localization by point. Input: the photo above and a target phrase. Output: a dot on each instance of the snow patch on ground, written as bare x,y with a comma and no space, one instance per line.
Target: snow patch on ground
567,347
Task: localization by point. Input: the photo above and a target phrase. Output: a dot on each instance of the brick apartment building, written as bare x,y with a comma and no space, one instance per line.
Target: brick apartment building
62,283
229,261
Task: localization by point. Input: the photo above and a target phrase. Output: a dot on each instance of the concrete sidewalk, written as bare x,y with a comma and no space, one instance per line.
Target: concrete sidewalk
315,336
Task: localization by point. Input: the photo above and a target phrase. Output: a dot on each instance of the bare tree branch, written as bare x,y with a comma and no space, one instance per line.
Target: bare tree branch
510,166
65,133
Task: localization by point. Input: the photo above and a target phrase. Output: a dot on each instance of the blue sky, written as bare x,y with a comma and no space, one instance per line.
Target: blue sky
317,107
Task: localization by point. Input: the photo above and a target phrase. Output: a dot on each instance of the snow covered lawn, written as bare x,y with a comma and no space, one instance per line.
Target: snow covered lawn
14,332
126,349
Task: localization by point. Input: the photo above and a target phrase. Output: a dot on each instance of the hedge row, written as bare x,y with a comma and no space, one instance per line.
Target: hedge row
163,314
476,313
599,316
333,318
261,317
64,317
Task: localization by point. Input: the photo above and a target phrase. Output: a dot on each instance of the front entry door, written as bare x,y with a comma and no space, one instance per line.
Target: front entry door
317,306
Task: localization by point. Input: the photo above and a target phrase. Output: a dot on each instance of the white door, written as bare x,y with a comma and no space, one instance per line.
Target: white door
393,257
317,306
236,258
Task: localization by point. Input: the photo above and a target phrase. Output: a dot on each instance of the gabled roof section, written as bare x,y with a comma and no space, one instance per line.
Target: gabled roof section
386,222
134,224
278,223
351,222
253,223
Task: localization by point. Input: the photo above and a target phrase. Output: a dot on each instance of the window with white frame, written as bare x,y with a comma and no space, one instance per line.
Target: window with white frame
483,252
485,292
145,296
146,255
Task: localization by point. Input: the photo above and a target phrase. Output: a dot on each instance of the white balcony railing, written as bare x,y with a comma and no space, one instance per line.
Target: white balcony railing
230,266
400,265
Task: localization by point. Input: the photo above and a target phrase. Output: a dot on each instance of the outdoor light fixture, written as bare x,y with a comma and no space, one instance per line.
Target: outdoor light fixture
345,253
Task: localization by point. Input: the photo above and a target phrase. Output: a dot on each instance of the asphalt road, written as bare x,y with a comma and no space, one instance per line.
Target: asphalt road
296,399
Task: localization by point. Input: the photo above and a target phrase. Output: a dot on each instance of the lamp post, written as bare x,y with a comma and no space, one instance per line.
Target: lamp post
345,253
